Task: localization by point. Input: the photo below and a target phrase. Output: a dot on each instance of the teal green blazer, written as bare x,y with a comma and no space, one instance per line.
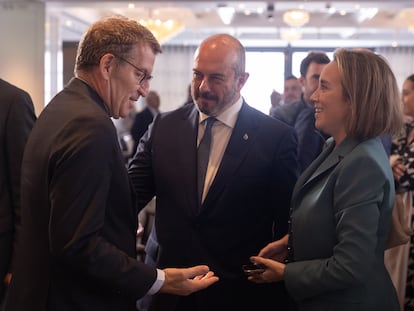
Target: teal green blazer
341,213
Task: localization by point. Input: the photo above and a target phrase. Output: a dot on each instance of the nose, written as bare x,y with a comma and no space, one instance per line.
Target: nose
143,89
314,96
204,85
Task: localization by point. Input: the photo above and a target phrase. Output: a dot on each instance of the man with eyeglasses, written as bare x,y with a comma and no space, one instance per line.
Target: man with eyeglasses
77,243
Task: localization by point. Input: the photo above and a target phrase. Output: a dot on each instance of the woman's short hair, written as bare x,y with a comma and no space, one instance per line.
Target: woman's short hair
116,35
370,85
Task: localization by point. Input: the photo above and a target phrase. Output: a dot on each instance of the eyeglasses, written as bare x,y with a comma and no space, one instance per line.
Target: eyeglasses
145,77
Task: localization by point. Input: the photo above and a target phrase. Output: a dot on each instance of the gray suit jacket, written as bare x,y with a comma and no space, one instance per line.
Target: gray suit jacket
341,212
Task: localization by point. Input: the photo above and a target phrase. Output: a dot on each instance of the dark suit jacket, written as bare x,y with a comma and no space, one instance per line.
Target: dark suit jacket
341,212
79,220
140,125
248,198
16,121
310,140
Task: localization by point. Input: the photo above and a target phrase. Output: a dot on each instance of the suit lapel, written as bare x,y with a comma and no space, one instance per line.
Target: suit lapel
187,148
243,135
327,160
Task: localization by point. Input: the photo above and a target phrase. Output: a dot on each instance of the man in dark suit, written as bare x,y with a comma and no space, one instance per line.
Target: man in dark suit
77,249
301,114
145,117
17,117
245,202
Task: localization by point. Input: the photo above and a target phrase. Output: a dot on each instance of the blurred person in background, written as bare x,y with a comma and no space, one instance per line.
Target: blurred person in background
17,117
291,93
301,114
400,259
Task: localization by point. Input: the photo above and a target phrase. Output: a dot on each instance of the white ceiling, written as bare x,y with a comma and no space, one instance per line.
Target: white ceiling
326,28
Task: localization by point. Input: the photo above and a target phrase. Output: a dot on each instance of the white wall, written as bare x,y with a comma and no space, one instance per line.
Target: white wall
22,47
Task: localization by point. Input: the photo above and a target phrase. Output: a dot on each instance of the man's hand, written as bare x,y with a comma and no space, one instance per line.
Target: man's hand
186,281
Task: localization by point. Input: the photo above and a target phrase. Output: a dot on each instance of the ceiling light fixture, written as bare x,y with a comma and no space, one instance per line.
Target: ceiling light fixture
411,27
164,24
226,13
291,34
296,18
163,29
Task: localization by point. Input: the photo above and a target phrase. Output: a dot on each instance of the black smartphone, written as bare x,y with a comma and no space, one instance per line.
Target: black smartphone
252,269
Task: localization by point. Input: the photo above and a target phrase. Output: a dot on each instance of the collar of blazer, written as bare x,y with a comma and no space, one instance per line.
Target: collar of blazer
329,158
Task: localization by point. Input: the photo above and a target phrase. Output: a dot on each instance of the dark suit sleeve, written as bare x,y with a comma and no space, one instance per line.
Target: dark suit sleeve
284,178
140,169
79,191
19,120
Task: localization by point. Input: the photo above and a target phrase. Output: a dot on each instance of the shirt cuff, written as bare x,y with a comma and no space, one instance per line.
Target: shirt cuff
158,282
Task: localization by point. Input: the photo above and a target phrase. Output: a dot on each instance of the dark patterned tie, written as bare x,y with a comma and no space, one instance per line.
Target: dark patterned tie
203,154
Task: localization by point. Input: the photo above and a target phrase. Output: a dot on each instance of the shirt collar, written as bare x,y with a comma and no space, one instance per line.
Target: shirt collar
228,116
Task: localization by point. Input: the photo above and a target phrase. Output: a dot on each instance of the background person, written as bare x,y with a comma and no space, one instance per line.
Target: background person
301,114
400,260
244,203
17,117
342,203
77,249
291,93
145,117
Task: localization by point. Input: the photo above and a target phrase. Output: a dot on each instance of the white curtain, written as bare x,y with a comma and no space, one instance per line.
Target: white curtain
172,75
401,60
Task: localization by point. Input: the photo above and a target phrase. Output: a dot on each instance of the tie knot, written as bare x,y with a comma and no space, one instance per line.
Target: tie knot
209,122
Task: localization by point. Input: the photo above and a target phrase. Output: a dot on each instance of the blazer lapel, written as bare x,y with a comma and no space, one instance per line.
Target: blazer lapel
243,135
329,158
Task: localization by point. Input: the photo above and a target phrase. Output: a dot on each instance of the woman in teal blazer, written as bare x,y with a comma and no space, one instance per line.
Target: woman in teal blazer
333,256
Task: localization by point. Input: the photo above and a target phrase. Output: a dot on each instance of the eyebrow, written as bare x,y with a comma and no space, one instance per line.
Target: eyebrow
323,82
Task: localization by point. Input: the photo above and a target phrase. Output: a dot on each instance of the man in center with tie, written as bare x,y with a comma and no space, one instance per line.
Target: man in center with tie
223,211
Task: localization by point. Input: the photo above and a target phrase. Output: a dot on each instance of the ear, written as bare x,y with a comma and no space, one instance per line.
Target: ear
302,81
106,64
242,79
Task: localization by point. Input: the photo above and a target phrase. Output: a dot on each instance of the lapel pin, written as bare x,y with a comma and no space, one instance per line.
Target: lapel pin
245,136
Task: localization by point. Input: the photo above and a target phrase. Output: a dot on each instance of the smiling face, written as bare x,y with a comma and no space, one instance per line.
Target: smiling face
332,109
407,97
124,86
216,82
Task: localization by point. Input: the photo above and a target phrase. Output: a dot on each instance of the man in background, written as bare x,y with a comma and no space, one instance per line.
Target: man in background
17,117
291,93
145,117
301,114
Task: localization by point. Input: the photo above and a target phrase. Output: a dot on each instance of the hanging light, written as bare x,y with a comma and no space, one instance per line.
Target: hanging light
165,23
226,13
411,27
163,29
291,34
296,18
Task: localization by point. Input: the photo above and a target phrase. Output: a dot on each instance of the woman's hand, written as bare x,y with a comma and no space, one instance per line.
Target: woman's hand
398,170
274,272
276,250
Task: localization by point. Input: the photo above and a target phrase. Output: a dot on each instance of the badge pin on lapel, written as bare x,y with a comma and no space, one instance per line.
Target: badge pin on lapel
245,136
